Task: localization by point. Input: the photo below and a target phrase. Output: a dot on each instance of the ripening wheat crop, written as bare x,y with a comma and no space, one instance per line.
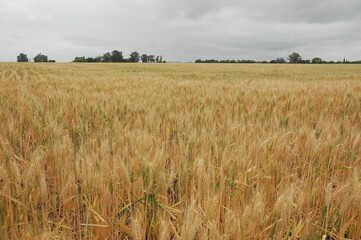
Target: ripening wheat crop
180,151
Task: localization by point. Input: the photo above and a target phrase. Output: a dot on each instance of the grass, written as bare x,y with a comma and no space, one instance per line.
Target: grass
184,151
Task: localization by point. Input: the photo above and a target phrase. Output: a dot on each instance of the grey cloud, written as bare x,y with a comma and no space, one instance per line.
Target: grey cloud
193,9
181,30
321,11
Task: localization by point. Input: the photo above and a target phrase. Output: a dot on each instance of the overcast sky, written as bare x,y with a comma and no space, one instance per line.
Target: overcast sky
181,30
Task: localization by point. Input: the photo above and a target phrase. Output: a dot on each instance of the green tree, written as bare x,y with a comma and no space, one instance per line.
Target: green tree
134,57
116,56
22,58
79,59
295,58
280,60
98,59
144,58
151,58
307,61
317,60
41,58
107,57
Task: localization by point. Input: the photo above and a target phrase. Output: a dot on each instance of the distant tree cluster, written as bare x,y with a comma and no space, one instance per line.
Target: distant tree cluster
90,59
294,58
41,58
22,57
117,56
278,60
225,61
151,58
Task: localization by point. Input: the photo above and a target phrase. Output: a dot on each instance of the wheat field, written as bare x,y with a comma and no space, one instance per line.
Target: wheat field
180,151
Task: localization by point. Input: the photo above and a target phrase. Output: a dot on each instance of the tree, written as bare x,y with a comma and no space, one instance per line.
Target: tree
41,58
134,57
98,59
280,60
144,58
151,58
295,58
22,58
90,59
79,59
107,57
117,56
305,61
316,60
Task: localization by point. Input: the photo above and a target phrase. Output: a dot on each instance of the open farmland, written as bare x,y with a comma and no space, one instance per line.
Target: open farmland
180,151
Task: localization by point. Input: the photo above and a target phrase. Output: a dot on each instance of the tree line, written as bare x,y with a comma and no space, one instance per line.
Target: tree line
117,56
292,58
114,56
22,57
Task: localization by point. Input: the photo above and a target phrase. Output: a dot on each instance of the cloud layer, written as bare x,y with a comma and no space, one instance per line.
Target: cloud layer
181,30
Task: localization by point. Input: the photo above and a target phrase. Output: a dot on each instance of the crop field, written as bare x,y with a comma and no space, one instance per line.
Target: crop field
180,151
